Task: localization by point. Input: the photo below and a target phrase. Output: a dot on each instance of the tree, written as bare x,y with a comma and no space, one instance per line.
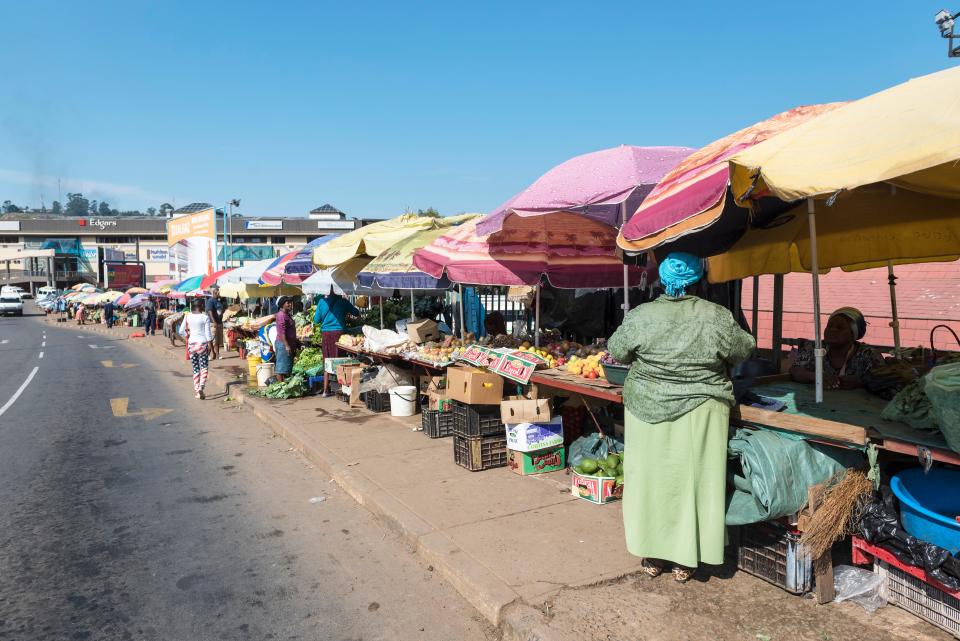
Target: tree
56,209
10,208
77,205
429,211
151,211
104,209
165,209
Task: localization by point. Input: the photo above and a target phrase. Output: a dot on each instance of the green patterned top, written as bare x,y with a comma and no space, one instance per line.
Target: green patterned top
681,350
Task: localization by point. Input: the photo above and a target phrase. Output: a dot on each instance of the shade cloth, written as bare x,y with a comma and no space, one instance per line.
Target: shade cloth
394,267
692,195
569,250
604,185
249,273
908,135
371,240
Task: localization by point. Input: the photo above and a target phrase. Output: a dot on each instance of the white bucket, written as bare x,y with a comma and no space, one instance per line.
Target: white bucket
264,372
403,400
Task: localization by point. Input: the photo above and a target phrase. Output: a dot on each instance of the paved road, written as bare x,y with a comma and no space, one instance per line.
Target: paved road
193,525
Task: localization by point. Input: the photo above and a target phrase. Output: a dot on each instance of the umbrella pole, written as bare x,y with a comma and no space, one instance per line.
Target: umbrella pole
626,290
412,315
895,321
463,328
815,271
381,312
536,321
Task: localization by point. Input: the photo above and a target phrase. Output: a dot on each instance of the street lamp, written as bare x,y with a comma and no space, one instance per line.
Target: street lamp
227,226
945,22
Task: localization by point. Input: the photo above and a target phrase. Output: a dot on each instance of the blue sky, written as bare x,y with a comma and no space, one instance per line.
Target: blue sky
377,107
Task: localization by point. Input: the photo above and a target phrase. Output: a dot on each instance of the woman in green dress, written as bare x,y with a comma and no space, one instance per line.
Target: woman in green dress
678,396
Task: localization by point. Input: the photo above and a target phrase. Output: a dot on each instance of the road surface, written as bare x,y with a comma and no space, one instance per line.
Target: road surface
121,520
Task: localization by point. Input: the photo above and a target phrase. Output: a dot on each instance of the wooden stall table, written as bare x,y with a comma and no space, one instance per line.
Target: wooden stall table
595,388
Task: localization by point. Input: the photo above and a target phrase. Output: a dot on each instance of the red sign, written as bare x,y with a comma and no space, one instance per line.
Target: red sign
123,276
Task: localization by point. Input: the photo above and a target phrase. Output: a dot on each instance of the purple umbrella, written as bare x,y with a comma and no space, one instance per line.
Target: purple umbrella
297,265
136,301
601,185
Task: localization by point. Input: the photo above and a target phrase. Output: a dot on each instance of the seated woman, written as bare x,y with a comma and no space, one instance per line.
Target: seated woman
847,361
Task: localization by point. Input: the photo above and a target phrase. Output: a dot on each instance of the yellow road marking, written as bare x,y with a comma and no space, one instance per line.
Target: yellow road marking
120,408
109,364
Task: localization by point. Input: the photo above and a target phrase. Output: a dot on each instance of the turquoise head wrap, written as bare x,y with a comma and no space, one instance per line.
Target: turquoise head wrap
678,271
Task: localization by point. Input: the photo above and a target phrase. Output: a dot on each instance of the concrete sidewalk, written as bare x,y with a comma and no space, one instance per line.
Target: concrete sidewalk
498,537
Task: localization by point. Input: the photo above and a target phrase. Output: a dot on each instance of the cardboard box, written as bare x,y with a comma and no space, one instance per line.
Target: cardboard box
439,401
343,372
480,356
423,331
518,409
474,386
330,364
596,489
432,384
551,459
349,378
530,437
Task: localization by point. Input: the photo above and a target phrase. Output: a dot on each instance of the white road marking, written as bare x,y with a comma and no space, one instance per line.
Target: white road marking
41,354
4,341
16,395
43,344
100,346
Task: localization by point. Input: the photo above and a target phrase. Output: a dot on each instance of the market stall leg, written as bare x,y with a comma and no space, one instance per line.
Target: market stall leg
815,272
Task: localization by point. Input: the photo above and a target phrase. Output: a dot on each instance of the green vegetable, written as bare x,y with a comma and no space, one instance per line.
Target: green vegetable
589,465
294,387
309,361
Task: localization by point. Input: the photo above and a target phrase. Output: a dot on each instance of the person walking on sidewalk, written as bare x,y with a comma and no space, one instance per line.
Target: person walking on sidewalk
199,334
331,314
678,396
108,314
215,312
150,315
287,343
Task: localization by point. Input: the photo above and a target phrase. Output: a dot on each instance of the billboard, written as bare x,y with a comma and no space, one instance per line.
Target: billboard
192,242
263,224
123,276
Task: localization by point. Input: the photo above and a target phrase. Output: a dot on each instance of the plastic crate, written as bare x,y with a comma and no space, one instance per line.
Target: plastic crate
436,424
377,401
774,554
481,452
928,602
476,420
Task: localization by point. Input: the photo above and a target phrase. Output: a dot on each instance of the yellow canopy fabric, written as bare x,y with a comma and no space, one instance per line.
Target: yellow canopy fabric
861,229
371,240
908,135
244,291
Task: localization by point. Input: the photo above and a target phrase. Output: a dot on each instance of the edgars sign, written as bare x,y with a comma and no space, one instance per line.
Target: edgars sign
99,223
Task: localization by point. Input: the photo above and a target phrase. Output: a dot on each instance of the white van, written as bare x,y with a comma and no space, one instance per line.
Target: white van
46,291
12,290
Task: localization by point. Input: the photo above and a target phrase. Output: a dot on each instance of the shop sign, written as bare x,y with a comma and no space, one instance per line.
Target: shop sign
334,224
9,225
158,255
99,223
263,224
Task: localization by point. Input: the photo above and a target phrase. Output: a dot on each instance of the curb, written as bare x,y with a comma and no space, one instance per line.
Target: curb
486,592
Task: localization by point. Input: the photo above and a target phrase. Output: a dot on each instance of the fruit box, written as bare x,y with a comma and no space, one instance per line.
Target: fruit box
596,489
530,437
480,356
517,409
474,386
439,401
550,459
423,331
330,364
517,366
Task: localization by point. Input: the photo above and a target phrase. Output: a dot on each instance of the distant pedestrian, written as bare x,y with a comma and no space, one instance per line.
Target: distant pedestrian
108,314
150,316
199,334
80,313
331,314
214,309
287,343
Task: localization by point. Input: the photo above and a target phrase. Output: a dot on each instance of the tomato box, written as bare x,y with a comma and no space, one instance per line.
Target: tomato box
550,459
480,356
596,489
517,366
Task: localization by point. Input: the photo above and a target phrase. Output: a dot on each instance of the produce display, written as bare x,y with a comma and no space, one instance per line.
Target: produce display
609,467
309,361
294,386
438,353
351,340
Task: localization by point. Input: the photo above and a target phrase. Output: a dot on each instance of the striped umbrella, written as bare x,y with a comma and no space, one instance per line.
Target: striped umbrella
567,249
188,284
294,267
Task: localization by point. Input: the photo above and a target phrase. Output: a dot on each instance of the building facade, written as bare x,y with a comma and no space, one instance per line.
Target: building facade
80,245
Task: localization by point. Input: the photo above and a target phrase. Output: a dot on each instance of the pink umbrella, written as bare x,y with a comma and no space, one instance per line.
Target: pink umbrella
123,300
604,185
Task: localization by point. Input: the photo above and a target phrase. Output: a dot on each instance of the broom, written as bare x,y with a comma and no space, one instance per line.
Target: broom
846,493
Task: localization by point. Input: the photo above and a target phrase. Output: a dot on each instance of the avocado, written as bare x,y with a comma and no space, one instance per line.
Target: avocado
589,465
619,480
612,460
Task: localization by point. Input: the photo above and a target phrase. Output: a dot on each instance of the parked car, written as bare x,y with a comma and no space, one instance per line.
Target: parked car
47,290
13,289
11,304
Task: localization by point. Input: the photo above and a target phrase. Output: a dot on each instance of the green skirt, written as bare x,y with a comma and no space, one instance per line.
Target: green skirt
675,486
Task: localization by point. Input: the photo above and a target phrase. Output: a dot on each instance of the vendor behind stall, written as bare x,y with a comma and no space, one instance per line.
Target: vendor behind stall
331,315
677,396
847,360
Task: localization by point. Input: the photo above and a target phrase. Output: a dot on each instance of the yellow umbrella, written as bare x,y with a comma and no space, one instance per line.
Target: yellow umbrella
907,135
244,291
371,240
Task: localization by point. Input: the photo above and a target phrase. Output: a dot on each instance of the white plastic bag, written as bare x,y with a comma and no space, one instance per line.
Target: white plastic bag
860,586
378,340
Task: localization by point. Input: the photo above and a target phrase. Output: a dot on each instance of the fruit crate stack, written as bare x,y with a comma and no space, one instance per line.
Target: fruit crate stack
774,554
436,424
479,437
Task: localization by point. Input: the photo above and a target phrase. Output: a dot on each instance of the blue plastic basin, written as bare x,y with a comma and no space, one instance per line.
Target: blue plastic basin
929,505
